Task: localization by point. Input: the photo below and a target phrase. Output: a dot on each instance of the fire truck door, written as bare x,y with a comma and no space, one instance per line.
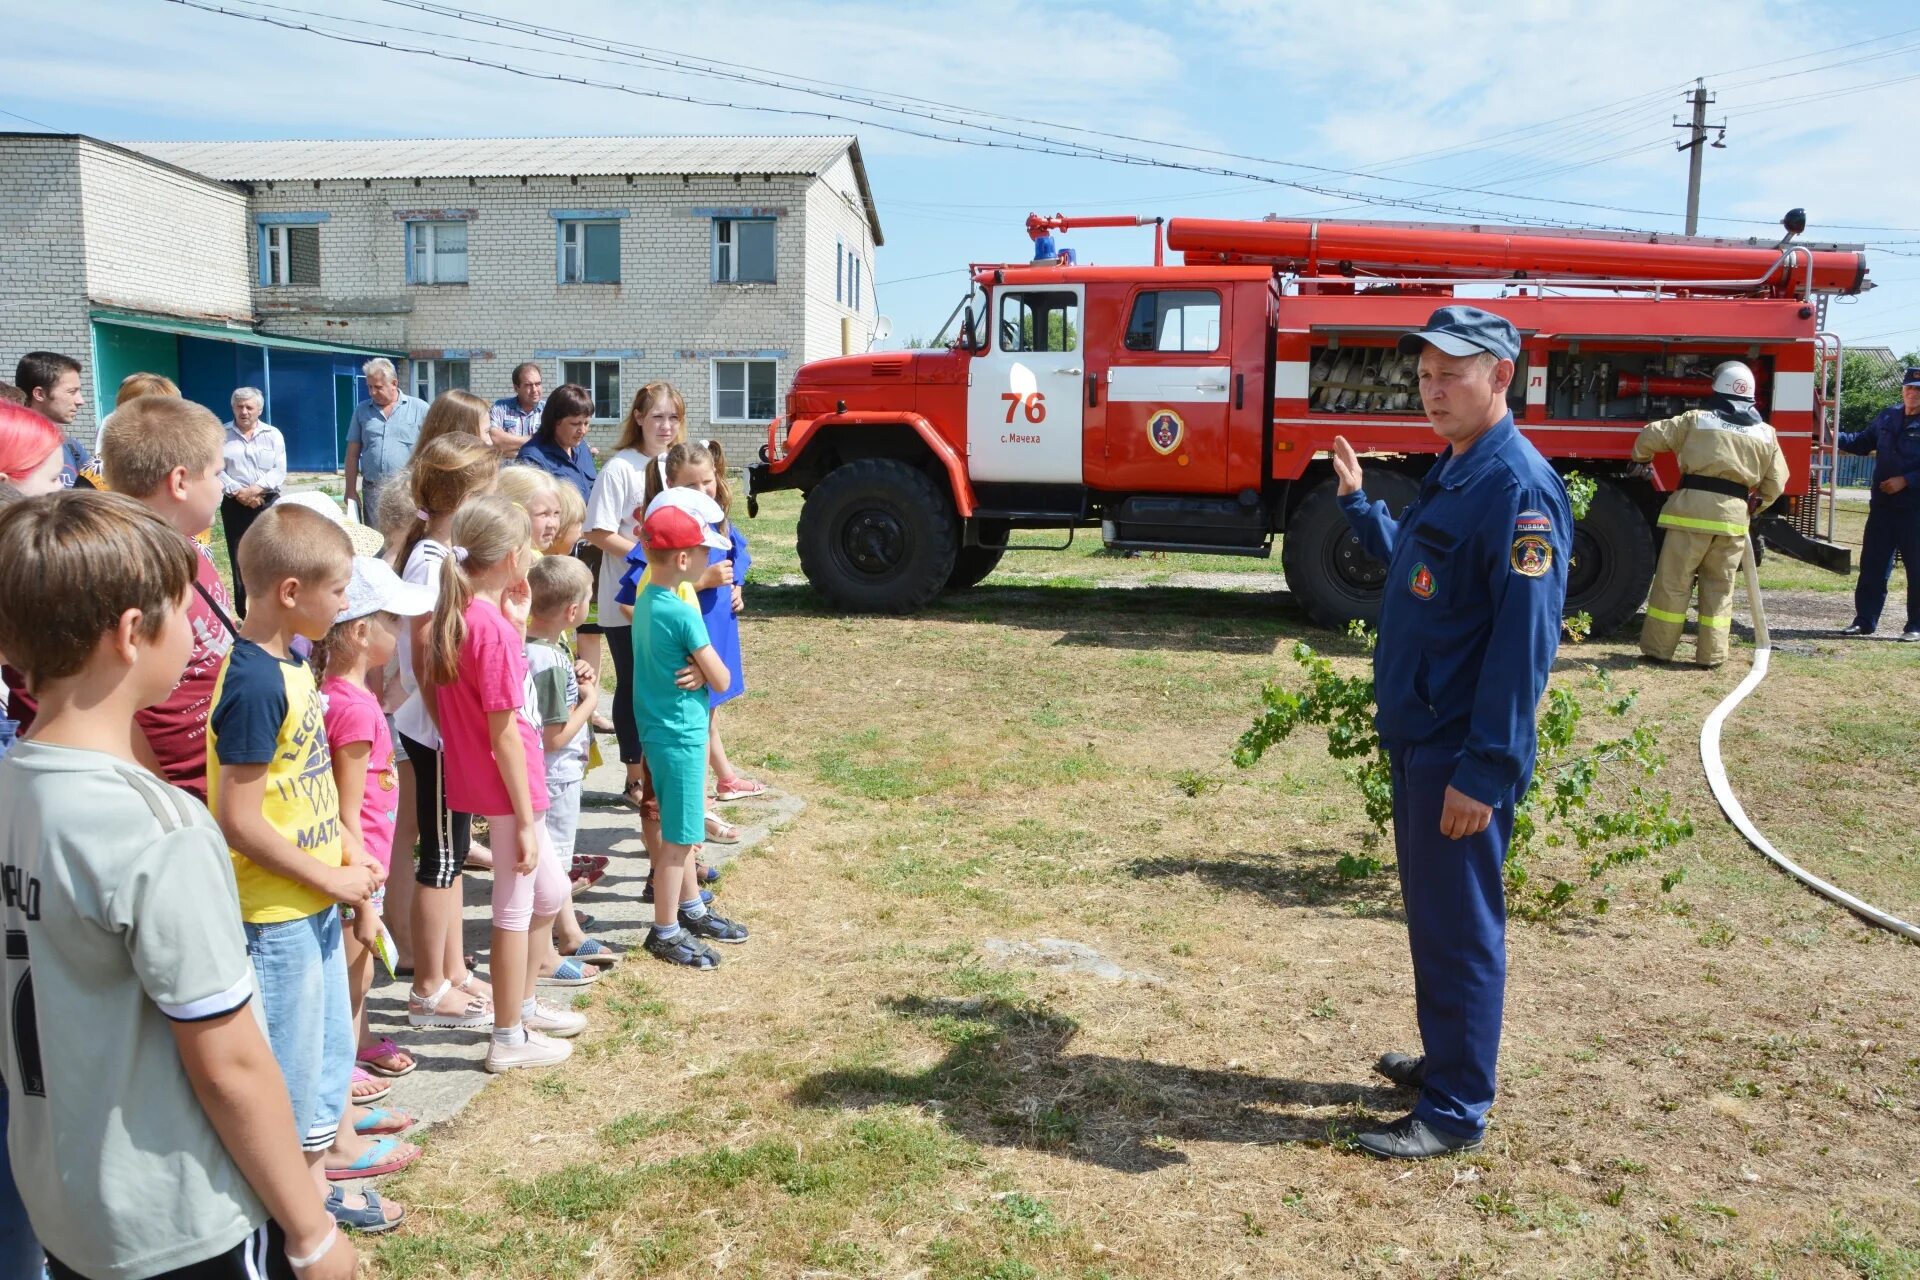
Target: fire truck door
1024,393
1169,391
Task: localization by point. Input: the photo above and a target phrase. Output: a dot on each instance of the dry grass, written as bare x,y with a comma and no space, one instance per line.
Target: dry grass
1718,1083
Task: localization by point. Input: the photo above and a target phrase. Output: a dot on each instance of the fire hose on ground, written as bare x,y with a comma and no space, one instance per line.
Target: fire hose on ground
1723,790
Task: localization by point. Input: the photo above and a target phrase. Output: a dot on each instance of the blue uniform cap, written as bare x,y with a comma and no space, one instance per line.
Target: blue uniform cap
1465,331
1911,378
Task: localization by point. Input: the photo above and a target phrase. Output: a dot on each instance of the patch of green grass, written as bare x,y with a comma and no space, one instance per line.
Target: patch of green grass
1026,1214
636,1125
1863,1253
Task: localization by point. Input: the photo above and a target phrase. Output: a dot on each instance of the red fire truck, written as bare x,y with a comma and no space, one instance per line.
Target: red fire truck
1188,407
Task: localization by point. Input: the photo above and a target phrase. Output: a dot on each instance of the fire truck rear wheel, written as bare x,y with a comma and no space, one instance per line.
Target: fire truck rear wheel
972,564
878,536
1613,558
1327,572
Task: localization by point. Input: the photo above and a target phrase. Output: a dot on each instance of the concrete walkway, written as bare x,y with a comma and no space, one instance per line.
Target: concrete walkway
450,1070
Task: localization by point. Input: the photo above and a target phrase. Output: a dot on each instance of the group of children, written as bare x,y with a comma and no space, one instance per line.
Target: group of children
140,926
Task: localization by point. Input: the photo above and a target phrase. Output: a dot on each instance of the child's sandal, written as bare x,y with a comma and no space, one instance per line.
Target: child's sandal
727,790
632,795
720,831
385,1058
425,1011
369,1220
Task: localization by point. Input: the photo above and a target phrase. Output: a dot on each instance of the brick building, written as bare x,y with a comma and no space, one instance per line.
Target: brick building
718,264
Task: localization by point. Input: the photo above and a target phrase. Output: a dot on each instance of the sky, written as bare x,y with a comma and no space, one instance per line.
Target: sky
1552,111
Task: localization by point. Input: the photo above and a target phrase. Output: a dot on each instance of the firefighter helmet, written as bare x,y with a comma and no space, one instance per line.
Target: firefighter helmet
1734,380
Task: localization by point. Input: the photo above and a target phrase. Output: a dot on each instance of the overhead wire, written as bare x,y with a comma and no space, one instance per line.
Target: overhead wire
1019,141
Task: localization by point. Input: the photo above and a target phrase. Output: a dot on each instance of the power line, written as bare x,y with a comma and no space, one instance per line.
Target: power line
1020,141
1071,150
30,120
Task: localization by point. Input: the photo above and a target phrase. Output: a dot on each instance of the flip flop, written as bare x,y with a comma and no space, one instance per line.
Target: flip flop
368,1058
369,1220
363,1077
571,973
377,1161
594,951
379,1121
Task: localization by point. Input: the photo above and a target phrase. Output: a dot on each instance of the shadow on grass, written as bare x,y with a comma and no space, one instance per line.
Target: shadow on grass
1135,618
1302,878
1008,1080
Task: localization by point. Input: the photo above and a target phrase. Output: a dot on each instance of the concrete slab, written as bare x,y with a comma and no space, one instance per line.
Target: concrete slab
450,1071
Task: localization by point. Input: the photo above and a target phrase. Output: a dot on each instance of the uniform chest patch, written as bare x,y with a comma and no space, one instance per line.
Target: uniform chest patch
1532,555
1532,522
1420,582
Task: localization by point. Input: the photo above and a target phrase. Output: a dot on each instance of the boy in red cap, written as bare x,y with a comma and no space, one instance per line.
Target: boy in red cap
668,634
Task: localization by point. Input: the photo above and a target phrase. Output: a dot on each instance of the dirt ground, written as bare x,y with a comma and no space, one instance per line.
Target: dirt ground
1720,1081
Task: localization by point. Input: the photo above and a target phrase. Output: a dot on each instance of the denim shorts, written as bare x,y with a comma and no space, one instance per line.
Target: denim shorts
680,780
563,817
303,993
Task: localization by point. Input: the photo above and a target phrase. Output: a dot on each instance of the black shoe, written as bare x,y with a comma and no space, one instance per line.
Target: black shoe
1403,1069
1410,1138
1855,629
713,928
681,948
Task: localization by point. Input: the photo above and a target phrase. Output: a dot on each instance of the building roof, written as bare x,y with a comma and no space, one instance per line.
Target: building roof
316,160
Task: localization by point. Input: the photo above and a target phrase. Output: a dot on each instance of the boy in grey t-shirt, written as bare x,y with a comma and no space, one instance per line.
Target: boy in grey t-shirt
150,1131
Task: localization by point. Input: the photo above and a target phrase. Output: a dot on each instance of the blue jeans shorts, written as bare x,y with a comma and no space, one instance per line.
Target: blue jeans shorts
680,782
303,993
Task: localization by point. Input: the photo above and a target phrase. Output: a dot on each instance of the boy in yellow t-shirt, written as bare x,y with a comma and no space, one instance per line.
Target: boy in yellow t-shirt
270,779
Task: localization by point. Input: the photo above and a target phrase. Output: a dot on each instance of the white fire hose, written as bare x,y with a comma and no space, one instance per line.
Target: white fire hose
1723,791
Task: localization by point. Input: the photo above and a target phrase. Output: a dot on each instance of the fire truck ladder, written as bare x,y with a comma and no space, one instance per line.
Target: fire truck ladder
1823,463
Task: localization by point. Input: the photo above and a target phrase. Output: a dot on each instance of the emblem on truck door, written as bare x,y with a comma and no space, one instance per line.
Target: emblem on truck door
1165,430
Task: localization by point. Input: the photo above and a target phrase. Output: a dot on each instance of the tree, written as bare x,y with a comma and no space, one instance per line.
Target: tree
1868,385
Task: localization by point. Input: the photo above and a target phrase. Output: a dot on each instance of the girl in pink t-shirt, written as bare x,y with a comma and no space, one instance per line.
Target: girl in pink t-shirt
363,638
477,677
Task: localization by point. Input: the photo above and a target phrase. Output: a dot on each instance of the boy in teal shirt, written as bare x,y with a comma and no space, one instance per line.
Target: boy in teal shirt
668,635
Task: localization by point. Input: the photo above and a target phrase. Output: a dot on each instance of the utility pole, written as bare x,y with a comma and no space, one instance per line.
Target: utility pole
1697,144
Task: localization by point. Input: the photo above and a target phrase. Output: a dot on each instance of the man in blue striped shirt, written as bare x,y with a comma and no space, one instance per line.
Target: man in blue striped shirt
515,418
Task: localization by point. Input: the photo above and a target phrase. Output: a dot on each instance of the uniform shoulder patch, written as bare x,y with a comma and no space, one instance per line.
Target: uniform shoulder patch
1531,521
1531,556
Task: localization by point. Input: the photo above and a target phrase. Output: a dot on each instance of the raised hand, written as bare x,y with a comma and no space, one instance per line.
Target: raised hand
1346,466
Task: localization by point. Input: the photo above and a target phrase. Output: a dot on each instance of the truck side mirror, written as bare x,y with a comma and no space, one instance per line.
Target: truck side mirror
966,330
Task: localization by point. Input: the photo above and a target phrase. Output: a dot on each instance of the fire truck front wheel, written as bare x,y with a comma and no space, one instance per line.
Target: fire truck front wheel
878,536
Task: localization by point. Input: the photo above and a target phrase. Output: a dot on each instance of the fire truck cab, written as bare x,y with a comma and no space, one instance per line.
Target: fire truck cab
1188,408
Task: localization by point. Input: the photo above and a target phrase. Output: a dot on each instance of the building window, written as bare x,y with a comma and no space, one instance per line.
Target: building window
743,250
601,378
432,377
289,254
743,391
856,283
436,253
589,253
839,270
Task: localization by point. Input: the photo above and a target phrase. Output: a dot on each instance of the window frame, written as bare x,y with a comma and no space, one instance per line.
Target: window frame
580,225
426,376
1074,301
429,229
1126,334
276,261
730,245
594,366
746,390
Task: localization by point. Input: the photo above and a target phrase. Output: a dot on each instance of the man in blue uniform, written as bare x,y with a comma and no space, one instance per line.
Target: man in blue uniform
1893,513
1469,624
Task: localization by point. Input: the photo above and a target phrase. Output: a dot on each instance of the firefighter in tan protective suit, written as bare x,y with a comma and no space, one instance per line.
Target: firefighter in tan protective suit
1730,467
